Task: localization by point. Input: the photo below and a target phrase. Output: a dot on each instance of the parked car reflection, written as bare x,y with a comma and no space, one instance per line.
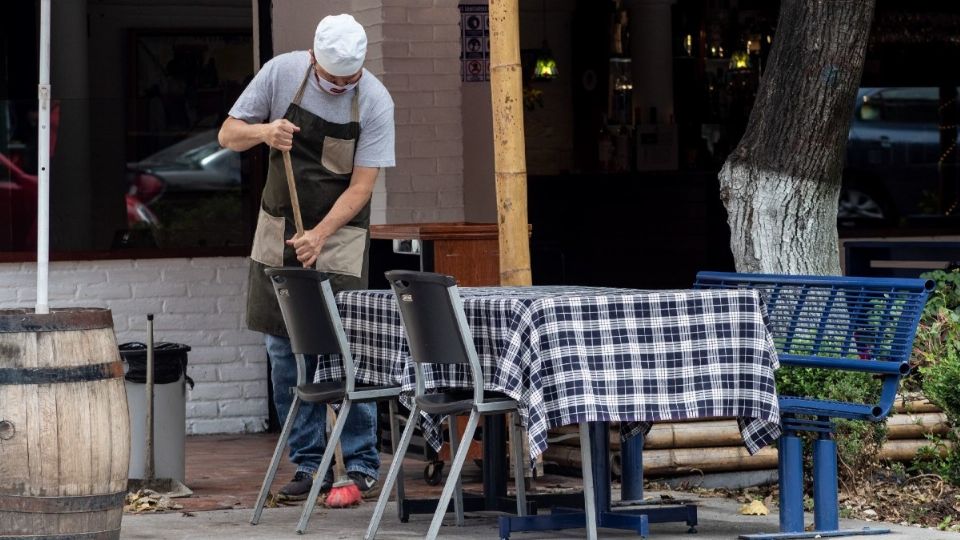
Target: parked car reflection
893,151
194,166
18,209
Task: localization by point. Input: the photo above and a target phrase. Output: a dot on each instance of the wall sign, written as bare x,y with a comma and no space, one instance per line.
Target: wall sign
474,43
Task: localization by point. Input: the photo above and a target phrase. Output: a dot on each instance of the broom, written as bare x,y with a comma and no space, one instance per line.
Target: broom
344,492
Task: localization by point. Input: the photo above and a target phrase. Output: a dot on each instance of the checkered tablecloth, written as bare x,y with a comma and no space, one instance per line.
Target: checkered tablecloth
572,354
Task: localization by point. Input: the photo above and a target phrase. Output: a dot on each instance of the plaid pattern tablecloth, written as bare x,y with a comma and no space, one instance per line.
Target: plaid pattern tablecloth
573,354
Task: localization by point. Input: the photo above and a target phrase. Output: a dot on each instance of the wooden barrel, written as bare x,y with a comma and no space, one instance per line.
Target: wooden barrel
64,430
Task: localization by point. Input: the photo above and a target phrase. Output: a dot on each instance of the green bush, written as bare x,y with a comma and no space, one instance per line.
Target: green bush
857,442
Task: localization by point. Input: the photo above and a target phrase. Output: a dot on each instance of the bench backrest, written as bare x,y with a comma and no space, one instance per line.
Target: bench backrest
834,322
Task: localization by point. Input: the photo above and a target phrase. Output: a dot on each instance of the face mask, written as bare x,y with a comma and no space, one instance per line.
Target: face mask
333,89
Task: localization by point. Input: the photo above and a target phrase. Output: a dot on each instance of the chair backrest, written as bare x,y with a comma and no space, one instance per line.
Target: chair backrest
433,317
834,322
309,311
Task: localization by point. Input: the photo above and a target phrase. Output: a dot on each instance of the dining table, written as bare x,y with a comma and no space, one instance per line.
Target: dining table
572,354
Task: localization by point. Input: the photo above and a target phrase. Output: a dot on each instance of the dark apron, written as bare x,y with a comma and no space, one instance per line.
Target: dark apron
322,157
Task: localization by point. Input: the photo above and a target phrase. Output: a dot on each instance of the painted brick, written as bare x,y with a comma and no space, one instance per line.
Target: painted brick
234,274
446,65
240,337
402,32
203,373
242,407
221,321
137,307
227,425
159,290
437,148
412,200
400,181
448,98
400,215
202,409
162,264
413,66
190,305
215,391
233,304
105,291
433,15
255,425
414,166
213,289
447,32
448,214
450,165
128,275
441,81
413,132
448,131
189,275
411,99
256,389
435,115
451,199
234,371
200,354
431,49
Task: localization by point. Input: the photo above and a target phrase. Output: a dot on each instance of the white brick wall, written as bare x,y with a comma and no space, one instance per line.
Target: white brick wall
199,302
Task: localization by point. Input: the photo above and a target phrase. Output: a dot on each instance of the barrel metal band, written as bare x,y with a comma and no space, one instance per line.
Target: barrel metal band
52,375
61,505
99,535
58,320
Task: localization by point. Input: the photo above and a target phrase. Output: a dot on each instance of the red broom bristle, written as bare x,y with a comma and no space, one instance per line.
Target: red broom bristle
344,496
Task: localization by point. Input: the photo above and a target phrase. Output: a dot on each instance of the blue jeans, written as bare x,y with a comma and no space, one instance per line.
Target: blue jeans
308,437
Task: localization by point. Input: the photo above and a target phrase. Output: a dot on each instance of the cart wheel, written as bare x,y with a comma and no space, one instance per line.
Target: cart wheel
433,473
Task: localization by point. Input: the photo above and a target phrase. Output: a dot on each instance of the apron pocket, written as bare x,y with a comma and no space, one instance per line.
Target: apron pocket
337,155
268,240
343,252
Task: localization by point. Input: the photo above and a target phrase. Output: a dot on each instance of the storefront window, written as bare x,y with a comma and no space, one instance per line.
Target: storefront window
138,98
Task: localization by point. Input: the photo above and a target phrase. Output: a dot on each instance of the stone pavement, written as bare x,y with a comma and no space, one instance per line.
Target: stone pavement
225,472
718,520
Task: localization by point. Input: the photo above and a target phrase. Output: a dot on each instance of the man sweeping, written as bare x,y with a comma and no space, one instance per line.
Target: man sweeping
336,120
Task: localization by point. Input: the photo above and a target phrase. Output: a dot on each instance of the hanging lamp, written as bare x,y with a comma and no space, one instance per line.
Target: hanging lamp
545,68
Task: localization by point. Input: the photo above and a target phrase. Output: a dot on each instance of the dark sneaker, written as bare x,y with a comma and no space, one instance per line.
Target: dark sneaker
298,488
368,485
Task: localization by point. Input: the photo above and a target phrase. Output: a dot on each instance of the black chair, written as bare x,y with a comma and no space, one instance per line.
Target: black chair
437,333
313,322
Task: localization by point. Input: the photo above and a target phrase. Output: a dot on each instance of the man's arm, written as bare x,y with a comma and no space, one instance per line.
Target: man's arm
239,136
347,206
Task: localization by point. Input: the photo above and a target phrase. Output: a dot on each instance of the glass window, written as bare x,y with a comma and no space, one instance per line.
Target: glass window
138,97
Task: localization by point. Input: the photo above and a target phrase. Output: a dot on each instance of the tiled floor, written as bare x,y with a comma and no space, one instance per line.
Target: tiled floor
225,471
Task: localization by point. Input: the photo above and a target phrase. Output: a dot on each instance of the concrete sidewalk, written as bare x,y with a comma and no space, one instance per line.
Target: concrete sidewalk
718,519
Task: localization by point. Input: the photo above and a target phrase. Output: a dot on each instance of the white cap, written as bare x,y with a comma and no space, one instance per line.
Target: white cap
340,45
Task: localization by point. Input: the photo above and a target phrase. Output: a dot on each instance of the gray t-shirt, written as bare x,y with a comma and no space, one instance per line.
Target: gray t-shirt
272,90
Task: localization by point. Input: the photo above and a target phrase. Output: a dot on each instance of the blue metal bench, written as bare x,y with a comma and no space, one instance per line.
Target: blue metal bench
844,323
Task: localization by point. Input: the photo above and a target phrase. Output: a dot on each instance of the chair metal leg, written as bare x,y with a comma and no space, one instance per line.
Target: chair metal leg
394,444
321,473
589,502
395,469
275,461
453,477
458,490
519,463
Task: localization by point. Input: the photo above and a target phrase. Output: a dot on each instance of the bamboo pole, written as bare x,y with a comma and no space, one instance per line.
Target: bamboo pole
508,142
915,426
921,405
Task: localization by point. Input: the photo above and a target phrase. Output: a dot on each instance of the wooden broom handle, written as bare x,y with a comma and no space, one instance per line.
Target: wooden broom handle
292,186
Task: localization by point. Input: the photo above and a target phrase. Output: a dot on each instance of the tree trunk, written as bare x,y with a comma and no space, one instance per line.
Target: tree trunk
782,182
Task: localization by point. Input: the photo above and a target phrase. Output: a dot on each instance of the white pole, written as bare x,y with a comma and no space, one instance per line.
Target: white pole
43,158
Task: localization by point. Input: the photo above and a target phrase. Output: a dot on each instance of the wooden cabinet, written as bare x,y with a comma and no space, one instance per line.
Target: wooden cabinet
468,251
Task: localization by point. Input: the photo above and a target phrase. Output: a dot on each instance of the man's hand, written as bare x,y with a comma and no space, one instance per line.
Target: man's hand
279,134
308,246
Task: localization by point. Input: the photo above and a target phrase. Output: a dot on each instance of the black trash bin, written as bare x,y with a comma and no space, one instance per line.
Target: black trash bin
169,406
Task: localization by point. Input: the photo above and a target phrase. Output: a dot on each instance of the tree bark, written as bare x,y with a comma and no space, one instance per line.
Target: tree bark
781,183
